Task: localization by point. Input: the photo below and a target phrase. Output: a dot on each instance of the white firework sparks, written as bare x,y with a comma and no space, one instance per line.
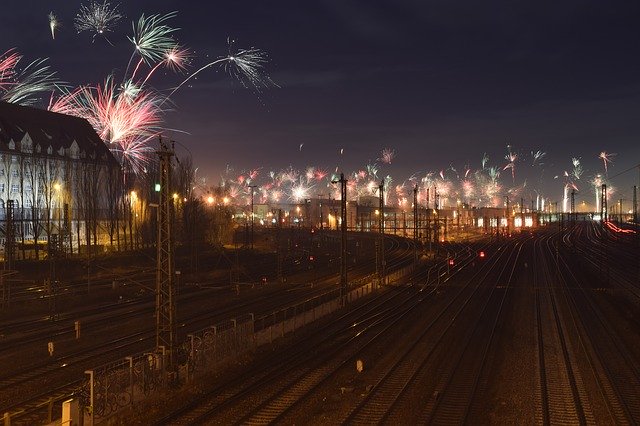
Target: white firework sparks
53,24
97,18
152,37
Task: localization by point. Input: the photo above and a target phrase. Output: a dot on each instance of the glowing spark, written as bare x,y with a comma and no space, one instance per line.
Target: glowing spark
53,24
97,18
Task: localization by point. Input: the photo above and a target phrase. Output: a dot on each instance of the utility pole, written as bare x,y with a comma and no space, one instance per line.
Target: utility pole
165,296
382,260
252,187
343,240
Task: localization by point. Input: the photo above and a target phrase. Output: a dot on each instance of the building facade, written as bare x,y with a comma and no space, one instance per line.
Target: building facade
59,183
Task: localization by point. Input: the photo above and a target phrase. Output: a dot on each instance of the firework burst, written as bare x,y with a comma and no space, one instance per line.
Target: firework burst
537,157
511,157
97,18
53,24
606,159
126,121
24,87
245,65
387,155
153,38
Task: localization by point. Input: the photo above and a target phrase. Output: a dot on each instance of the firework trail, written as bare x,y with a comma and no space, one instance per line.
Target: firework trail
24,87
606,159
245,65
53,24
97,18
387,155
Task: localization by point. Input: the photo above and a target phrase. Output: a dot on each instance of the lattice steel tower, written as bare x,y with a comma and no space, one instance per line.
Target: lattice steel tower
604,211
165,295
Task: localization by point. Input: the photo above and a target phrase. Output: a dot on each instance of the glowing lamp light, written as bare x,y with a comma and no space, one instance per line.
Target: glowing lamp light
157,187
481,254
210,200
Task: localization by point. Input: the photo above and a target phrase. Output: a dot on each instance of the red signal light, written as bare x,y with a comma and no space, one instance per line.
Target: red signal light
451,262
311,258
481,254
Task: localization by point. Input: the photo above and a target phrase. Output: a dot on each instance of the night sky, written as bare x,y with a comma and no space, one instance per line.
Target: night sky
440,82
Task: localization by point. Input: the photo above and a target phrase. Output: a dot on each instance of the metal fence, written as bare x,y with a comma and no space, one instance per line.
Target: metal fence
114,386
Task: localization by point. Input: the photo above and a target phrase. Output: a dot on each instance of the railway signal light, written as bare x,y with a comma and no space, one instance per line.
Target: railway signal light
451,262
481,254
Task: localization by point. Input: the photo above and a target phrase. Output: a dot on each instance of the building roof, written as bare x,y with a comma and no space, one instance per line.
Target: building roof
49,129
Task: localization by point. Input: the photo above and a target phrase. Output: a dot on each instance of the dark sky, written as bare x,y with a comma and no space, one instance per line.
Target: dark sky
440,82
